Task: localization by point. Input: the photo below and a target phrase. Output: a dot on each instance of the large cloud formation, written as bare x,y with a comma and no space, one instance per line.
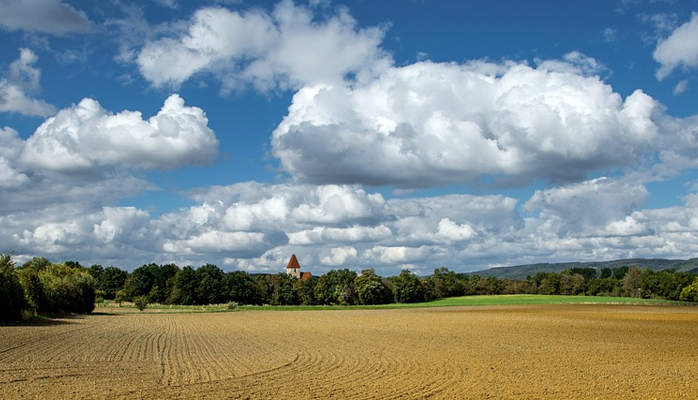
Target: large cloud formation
86,135
429,124
287,47
65,177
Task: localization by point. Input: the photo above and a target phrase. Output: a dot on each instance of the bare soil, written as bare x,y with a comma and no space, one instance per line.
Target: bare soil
502,352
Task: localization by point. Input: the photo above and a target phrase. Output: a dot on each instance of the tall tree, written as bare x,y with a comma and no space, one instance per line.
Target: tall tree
141,281
336,287
210,285
407,288
12,299
370,288
111,281
632,282
239,286
185,287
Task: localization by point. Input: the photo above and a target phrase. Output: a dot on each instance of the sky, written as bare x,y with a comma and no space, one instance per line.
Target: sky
393,135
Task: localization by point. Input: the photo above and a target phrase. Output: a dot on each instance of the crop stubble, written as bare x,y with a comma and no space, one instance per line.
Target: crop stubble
515,352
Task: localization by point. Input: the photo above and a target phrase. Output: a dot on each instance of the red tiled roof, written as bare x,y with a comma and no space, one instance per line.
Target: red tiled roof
305,275
293,262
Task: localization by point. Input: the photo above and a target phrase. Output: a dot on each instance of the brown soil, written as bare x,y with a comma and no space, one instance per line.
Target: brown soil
513,352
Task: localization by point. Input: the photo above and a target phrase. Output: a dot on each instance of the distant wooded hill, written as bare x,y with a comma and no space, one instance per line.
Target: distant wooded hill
657,264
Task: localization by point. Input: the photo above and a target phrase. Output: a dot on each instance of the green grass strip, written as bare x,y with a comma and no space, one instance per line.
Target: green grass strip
486,300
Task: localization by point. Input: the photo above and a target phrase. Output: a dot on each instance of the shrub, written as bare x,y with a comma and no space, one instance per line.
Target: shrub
232,305
141,302
67,290
120,297
690,292
99,296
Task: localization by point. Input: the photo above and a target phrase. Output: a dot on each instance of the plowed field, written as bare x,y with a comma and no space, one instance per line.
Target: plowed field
504,352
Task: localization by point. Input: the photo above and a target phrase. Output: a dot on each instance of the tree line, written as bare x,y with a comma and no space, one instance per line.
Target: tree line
42,287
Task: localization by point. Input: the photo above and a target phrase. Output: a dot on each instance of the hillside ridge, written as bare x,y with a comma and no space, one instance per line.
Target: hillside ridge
657,264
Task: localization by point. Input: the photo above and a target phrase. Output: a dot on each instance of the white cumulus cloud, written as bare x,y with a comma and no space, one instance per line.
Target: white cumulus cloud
86,135
17,88
453,232
429,124
680,48
339,255
12,147
288,47
586,208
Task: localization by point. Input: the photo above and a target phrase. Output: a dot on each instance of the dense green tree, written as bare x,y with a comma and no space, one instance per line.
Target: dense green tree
66,289
608,286
283,290
407,288
632,282
73,264
587,272
491,286
34,289
304,290
336,287
514,286
210,289
572,283
112,280
447,284
151,280
239,287
12,297
619,273
473,285
185,287
606,273
165,281
36,264
427,289
665,284
370,288
548,283
96,271
690,292
141,281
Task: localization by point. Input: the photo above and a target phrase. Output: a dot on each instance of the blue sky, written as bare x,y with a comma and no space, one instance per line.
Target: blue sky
389,135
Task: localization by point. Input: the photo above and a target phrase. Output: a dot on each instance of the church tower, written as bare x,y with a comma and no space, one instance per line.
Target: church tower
293,268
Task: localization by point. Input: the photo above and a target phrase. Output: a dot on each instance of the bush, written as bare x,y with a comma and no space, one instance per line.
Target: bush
120,297
690,292
141,302
67,290
232,305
